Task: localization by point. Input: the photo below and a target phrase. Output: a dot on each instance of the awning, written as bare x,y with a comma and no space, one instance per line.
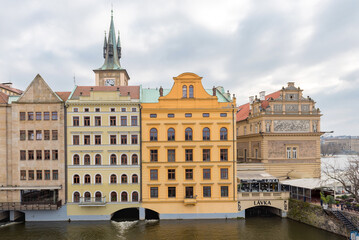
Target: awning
254,175
308,183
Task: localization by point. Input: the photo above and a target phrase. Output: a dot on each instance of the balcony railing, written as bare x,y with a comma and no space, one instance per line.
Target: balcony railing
92,201
39,205
190,200
263,195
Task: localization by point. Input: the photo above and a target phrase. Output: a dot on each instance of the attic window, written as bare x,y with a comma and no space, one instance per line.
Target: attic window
86,109
97,109
153,115
113,109
171,115
223,114
188,115
76,109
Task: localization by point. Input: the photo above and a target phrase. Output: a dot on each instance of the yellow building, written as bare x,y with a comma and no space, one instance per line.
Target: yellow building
188,151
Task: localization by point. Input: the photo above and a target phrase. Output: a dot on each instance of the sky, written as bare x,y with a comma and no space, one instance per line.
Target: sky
246,46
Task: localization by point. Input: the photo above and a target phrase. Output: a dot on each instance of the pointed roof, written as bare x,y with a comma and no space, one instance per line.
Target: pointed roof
112,61
63,95
39,92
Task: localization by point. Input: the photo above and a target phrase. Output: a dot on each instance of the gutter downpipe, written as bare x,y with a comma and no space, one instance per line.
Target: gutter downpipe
234,160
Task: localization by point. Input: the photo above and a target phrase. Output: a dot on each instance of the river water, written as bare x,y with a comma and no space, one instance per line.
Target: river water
252,228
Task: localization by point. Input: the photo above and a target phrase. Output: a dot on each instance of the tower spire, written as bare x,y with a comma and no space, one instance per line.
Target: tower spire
104,46
118,45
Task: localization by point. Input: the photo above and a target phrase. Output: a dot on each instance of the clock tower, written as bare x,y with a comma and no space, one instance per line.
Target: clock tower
111,73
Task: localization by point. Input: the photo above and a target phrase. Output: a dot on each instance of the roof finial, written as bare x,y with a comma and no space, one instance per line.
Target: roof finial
111,9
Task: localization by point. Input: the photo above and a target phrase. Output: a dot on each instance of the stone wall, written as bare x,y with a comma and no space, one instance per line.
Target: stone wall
306,148
315,216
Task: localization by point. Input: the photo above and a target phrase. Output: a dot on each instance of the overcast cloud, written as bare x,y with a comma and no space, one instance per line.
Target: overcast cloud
245,46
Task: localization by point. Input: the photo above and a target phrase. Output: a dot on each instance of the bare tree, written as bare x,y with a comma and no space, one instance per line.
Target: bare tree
347,176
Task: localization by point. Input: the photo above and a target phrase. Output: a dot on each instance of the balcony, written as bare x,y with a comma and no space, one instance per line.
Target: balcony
263,196
190,200
30,206
92,201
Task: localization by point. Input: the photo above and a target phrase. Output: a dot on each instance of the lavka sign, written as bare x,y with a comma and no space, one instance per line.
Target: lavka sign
263,202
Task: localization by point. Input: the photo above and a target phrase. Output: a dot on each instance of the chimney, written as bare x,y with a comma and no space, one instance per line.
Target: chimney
214,91
92,89
80,93
251,99
161,91
262,95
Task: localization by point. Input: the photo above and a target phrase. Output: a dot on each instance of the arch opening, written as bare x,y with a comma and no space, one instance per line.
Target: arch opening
262,211
151,215
127,214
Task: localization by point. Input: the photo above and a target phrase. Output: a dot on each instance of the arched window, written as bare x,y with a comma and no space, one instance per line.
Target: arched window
171,134
76,179
134,178
134,159
191,91
87,197
188,134
124,178
206,134
87,179
135,197
87,159
124,197
113,197
223,134
76,197
76,159
113,178
123,159
98,178
98,197
98,159
113,159
153,134
184,91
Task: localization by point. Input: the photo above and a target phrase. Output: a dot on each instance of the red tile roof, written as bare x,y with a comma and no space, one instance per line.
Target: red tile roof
3,97
124,90
15,90
243,110
63,95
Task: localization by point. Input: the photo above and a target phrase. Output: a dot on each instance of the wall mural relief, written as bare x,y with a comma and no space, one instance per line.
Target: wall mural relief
291,125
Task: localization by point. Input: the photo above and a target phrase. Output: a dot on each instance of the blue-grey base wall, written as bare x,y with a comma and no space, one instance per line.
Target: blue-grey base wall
200,216
48,216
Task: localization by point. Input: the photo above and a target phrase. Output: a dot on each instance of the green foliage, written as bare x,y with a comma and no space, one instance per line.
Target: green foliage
329,199
345,197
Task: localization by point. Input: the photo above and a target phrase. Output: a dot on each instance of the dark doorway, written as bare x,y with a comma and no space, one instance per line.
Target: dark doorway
127,214
150,214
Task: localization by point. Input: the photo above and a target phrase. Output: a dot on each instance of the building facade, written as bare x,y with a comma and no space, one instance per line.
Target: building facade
188,151
280,133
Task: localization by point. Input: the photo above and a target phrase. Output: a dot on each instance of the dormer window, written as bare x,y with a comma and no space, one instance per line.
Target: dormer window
191,91
184,91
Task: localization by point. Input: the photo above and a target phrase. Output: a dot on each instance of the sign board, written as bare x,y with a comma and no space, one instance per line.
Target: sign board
354,235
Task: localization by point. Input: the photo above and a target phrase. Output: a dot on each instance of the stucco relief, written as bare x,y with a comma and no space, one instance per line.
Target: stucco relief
291,125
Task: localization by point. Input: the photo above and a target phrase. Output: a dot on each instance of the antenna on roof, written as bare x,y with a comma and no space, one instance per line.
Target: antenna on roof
74,80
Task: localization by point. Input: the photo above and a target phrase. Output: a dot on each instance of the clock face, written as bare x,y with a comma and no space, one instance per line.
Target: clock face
110,82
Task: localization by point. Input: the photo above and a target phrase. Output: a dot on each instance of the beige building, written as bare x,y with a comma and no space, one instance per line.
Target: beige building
280,133
32,176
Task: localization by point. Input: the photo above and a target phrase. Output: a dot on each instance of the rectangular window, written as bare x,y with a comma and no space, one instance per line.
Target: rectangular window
38,155
189,174
205,114
46,134
188,115
30,154
154,155
38,116
97,109
223,114
46,115
87,140
75,121
171,192
76,140
55,135
54,115
113,109
86,121
31,175
154,174
206,155
123,109
154,192
47,174
206,173
22,175
55,154
55,174
38,174
30,116
47,154
170,115
134,139
134,120
38,135
294,152
97,139
22,135
86,109
171,155
134,110
189,155
22,116
153,115
113,139
76,109
30,135
123,120
22,154
289,150
97,121
113,121
224,173
123,139
171,174
224,191
206,191
189,192
224,154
